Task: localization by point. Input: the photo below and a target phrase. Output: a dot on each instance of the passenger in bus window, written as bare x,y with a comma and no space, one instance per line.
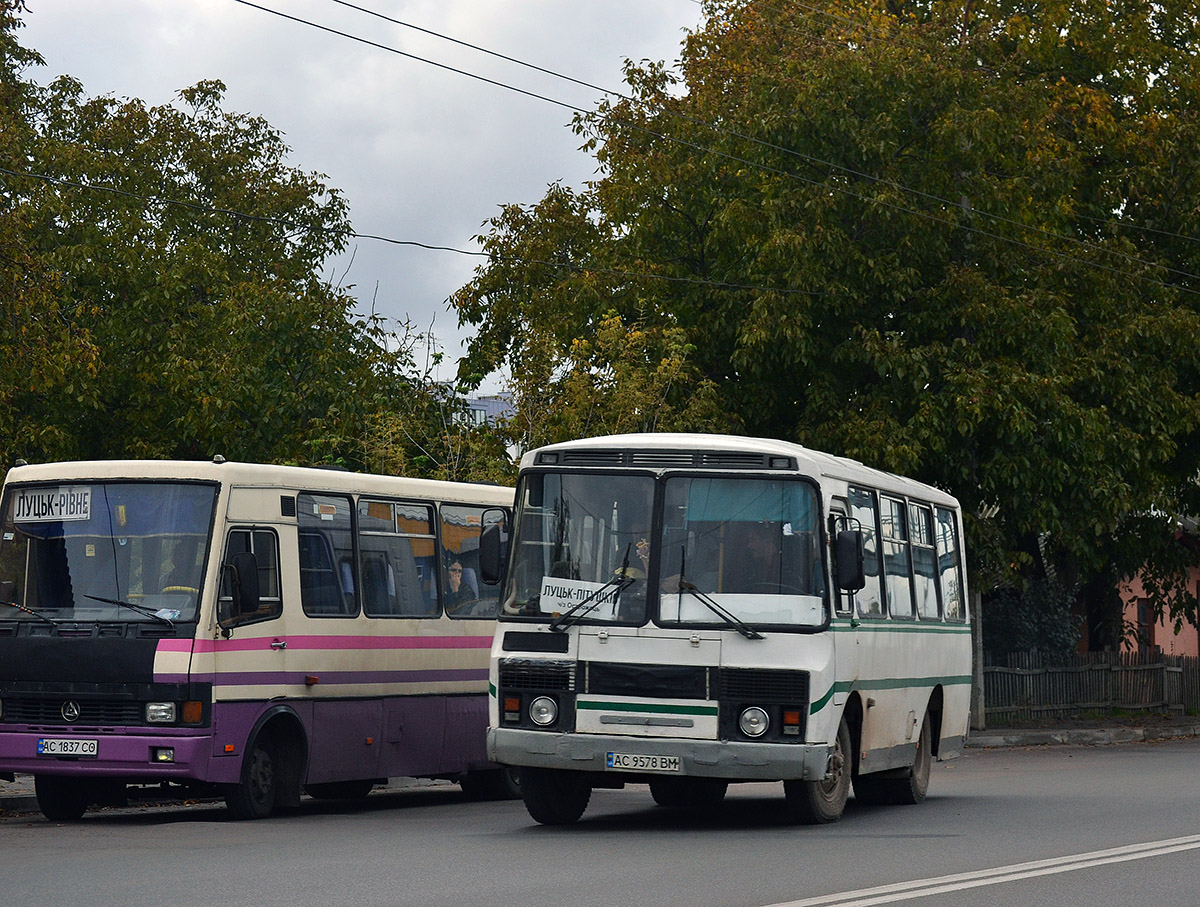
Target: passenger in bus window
459,593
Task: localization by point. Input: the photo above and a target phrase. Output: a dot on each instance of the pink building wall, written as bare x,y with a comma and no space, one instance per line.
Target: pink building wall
1160,635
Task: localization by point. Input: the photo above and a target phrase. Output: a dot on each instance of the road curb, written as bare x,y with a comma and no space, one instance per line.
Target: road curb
1079,736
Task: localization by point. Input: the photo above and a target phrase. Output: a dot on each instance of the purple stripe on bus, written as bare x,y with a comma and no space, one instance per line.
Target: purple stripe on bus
327,678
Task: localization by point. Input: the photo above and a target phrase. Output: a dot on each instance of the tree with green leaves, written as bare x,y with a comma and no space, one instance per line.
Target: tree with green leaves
950,239
44,358
163,291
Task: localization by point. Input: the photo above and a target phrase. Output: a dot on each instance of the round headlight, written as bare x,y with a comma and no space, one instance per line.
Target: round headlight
754,722
543,711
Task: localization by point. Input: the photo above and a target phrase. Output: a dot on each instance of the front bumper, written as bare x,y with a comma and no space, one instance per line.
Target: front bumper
127,755
698,758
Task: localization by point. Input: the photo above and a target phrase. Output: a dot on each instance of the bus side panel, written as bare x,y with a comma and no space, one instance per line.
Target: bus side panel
466,731
346,740
416,728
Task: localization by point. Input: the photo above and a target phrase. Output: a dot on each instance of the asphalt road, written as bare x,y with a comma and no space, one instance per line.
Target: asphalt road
1114,825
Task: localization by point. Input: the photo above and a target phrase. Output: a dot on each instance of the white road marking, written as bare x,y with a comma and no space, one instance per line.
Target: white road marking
903,891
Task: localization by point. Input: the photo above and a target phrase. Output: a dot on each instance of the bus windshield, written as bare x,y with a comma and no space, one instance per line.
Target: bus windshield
734,551
746,546
582,547
104,551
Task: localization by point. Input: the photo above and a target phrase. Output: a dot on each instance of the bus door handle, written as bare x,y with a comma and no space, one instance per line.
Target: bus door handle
279,644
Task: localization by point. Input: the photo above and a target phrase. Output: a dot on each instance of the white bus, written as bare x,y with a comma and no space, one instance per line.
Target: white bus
241,629
695,610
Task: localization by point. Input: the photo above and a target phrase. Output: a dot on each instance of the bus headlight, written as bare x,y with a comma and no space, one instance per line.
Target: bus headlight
160,713
754,722
543,711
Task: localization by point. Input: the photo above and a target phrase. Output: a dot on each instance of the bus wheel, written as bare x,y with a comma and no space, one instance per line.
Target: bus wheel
694,793
913,787
492,784
254,796
60,799
817,802
554,797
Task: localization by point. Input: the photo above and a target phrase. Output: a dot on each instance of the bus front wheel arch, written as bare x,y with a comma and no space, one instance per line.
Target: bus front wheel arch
819,802
272,769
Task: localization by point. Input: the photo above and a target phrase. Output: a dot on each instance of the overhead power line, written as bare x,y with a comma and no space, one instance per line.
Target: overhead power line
353,234
925,215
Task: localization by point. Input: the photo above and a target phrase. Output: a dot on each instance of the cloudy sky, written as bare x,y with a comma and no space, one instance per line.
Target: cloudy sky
422,153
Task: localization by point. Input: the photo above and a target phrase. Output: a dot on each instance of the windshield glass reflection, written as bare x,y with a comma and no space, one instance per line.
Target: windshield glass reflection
582,540
104,551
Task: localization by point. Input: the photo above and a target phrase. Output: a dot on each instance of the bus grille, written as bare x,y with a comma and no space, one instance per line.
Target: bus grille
757,685
91,712
537,675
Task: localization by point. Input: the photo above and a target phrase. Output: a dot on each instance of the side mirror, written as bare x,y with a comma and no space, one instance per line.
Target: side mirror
848,551
493,549
241,574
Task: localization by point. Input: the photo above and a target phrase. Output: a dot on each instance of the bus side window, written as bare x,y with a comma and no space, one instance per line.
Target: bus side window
320,589
393,538
862,508
897,562
949,565
924,561
463,594
327,577
264,545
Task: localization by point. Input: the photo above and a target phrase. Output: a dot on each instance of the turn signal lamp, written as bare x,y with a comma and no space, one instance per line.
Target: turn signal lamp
791,721
193,711
512,708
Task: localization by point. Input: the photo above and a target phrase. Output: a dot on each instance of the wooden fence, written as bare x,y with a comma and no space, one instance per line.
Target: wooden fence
1032,686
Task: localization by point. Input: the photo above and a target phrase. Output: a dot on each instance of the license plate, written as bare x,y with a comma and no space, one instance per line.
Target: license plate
635,762
57,746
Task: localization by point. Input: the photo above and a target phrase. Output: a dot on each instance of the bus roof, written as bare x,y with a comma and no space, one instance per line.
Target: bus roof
808,460
258,475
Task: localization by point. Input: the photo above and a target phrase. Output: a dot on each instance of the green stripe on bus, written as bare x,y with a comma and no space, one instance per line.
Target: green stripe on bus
492,689
885,626
888,683
656,708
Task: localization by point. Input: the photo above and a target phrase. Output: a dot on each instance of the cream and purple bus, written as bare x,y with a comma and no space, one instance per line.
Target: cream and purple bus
244,630
692,610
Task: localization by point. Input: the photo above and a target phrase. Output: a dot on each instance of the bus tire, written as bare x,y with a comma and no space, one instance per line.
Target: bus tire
911,788
819,802
492,784
254,796
688,793
61,799
554,797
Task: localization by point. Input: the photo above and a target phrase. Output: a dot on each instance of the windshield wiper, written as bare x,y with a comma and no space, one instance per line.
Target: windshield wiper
621,581
38,614
708,602
140,609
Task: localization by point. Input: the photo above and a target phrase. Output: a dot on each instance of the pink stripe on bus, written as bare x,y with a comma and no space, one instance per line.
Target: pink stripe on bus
326,643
